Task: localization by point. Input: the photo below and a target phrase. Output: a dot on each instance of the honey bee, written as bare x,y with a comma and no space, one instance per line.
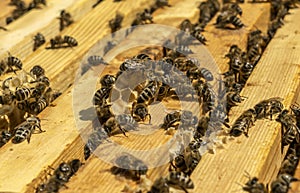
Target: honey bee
107,81
183,90
228,17
160,186
159,4
196,73
178,163
187,119
219,115
140,111
126,121
268,107
245,72
25,129
38,106
5,136
183,38
199,87
39,40
128,165
101,95
35,4
37,72
179,179
7,98
185,163
205,14
94,140
61,175
70,41
282,183
243,123
58,42
202,127
208,10
104,112
285,118
186,26
111,124
65,20
233,98
171,119
183,50
164,91
288,123
110,45
273,26
19,11
115,23
254,186
296,110
142,18
232,7
149,93
209,97
129,64
23,93
290,162
199,36
11,63
183,64
236,60
233,51
17,3
96,60
66,170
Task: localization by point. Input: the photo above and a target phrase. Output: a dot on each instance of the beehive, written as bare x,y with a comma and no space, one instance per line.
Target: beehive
277,74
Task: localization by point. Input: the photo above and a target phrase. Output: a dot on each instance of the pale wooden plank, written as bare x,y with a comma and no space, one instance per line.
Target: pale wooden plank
48,57
276,75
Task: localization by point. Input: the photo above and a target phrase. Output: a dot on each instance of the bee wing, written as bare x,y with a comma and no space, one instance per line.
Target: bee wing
24,124
276,98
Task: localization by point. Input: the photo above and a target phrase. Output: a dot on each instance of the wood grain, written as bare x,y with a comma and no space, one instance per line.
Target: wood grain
215,173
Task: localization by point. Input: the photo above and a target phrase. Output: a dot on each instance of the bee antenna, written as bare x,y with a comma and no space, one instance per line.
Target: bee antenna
247,174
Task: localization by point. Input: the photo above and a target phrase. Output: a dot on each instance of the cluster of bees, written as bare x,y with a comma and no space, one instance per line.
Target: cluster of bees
163,81
29,93
22,8
60,177
58,41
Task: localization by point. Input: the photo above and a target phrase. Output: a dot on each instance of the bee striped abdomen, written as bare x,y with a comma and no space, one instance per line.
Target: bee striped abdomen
180,179
22,133
70,41
14,61
23,93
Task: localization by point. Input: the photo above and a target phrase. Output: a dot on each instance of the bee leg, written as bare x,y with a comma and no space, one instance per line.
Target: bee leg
172,167
226,125
123,130
183,189
28,138
246,132
149,118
